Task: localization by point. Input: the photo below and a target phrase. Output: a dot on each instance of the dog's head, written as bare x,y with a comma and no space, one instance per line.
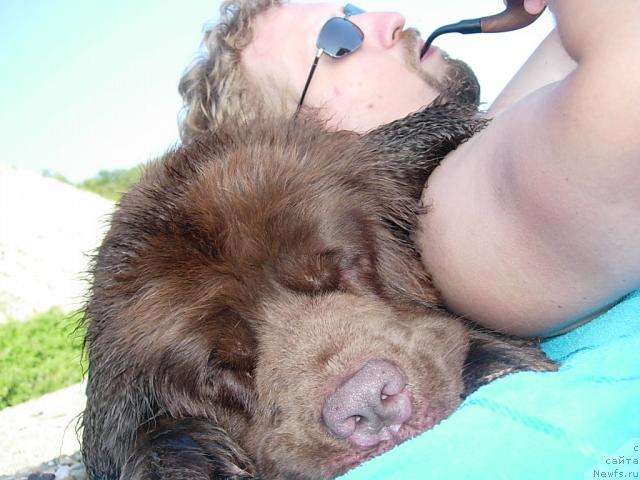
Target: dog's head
257,278
262,279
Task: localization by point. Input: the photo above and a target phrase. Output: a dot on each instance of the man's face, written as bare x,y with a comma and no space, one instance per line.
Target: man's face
380,82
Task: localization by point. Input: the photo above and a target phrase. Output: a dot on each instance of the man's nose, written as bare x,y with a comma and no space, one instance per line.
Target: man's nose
380,28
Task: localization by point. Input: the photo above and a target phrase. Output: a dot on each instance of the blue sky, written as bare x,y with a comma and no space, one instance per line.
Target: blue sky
88,85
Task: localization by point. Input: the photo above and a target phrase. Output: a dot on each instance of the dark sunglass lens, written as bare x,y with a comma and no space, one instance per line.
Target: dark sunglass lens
339,37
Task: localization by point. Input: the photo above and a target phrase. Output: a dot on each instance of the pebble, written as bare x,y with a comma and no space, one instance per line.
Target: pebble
62,468
62,472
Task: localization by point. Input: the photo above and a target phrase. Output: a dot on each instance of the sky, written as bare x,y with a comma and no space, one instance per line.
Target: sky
89,85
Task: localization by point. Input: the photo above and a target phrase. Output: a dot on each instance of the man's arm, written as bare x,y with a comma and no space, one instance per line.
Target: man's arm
535,222
549,63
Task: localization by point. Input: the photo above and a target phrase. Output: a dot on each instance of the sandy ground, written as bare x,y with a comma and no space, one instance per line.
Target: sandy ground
37,431
47,230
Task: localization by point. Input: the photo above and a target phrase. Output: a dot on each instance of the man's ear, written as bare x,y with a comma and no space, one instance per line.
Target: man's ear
190,448
492,355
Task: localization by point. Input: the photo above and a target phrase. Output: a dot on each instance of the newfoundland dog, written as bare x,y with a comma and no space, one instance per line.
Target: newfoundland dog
258,309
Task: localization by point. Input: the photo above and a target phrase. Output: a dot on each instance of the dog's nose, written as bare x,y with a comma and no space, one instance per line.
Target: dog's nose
370,406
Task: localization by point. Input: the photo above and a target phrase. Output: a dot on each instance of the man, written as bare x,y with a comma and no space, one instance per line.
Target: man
249,69
533,224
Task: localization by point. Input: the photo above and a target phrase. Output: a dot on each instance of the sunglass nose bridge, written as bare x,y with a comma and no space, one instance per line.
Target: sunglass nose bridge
350,9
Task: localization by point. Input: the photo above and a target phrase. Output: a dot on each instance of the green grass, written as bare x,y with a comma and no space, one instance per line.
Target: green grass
39,356
112,184
109,184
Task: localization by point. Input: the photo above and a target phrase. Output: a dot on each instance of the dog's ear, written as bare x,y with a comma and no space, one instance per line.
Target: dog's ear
492,355
188,448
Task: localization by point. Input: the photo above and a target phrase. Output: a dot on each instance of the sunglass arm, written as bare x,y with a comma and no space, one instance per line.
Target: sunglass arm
306,85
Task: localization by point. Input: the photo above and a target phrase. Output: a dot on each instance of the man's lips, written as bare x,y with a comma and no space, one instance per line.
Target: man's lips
419,44
432,51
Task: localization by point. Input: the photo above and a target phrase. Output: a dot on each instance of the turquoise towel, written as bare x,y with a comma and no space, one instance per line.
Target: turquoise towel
581,422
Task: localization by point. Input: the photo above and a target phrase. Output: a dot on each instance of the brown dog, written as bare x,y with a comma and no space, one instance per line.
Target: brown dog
258,310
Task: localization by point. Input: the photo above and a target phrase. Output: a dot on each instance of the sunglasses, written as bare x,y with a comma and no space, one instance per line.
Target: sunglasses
338,37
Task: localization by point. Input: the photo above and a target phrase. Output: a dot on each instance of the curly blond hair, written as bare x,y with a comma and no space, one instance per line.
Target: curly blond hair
216,85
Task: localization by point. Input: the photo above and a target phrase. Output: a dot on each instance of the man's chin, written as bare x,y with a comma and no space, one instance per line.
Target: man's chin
454,81
460,84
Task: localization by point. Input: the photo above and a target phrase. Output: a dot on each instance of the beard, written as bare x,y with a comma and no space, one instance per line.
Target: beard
459,83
